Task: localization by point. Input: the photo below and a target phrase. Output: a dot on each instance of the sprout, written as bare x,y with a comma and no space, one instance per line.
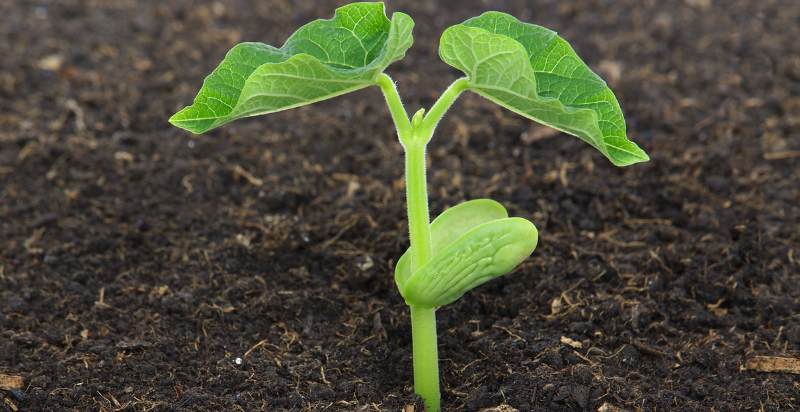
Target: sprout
525,68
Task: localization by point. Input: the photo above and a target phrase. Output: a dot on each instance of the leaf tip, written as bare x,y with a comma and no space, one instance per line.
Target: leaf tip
174,120
177,119
633,154
181,121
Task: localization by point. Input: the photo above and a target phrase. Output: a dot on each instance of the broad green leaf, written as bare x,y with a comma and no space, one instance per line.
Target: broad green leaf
532,71
486,251
449,226
323,59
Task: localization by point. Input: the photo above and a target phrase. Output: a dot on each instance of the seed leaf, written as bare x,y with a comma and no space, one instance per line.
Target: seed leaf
472,243
449,226
485,252
323,59
530,70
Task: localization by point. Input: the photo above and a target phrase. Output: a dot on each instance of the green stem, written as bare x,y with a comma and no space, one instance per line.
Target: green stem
423,320
396,108
414,135
417,204
425,356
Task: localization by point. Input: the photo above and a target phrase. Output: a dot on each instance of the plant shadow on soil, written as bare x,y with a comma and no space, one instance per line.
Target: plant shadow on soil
137,263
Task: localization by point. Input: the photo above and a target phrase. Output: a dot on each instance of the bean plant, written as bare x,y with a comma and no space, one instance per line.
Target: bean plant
522,67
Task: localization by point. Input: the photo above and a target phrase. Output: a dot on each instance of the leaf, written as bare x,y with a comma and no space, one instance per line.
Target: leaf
449,226
323,59
486,251
472,243
530,70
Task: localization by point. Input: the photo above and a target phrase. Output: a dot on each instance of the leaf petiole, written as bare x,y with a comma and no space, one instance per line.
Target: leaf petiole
441,106
396,108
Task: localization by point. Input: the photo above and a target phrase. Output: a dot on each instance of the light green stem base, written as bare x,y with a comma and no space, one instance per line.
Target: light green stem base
425,356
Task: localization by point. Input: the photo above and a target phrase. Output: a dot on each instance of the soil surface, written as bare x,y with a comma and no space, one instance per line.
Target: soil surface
138,264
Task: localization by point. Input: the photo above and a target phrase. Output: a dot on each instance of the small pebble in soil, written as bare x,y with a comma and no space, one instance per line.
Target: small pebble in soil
365,263
238,361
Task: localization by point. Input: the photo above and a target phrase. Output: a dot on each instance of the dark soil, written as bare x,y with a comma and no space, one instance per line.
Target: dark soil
137,263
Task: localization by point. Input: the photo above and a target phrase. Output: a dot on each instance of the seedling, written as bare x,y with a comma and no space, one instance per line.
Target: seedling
525,68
